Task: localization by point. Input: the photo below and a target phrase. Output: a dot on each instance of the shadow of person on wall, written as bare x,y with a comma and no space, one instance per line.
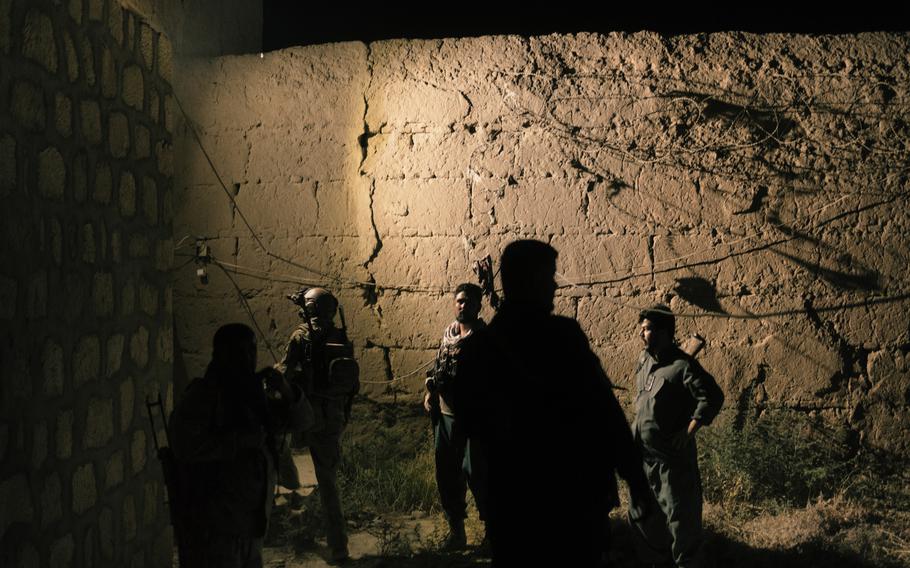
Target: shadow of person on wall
699,292
533,394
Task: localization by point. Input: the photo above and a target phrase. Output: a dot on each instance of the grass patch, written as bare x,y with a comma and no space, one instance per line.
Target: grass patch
387,460
782,459
782,490
790,482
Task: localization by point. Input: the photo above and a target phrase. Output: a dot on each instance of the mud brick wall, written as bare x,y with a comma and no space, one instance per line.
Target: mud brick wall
758,184
85,297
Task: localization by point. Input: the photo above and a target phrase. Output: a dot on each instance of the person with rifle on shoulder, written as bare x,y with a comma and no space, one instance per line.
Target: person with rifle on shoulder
458,463
223,433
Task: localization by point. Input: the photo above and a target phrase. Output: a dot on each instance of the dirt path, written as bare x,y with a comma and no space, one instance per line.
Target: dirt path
400,540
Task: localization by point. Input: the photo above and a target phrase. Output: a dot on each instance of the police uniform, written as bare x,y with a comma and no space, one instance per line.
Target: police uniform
672,389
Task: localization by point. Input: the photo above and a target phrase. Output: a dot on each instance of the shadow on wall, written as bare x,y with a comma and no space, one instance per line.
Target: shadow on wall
699,292
864,279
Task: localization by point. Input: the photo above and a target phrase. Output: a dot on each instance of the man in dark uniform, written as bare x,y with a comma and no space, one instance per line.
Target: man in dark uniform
458,462
675,397
319,358
223,434
530,388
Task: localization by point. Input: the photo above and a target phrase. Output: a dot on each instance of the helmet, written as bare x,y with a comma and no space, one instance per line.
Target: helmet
320,303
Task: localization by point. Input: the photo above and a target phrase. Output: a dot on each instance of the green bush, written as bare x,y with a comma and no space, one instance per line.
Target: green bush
783,458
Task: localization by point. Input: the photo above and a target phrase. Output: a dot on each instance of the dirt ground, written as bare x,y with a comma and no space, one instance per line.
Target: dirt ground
392,540
831,532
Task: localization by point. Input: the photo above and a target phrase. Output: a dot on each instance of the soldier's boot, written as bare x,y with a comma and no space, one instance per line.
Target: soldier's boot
457,539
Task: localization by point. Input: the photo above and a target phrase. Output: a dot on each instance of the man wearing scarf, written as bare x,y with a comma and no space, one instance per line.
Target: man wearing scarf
224,440
458,463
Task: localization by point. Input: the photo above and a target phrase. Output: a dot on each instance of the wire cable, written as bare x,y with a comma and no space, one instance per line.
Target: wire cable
401,377
249,311
265,249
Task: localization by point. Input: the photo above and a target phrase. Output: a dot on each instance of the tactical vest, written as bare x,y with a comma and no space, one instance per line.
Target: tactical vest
336,373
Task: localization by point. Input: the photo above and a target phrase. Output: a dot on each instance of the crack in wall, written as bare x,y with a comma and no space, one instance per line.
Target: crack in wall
377,245
235,188
316,201
651,259
853,358
387,363
370,294
747,395
364,142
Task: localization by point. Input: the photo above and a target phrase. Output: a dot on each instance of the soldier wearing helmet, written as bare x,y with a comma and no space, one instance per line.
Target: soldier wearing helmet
319,358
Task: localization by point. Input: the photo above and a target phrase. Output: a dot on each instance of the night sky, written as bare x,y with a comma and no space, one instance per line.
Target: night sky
288,23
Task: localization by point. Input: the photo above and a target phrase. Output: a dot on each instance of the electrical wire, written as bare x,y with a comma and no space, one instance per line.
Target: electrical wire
619,277
409,288
401,377
720,315
266,250
292,279
572,131
249,311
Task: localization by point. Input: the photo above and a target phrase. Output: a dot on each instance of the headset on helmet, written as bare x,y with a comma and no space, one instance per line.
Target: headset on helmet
315,302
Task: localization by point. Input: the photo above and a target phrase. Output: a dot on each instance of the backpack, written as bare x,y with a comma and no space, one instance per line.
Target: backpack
336,374
341,375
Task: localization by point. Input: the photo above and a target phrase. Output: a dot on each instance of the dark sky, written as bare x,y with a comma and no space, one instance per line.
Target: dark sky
288,22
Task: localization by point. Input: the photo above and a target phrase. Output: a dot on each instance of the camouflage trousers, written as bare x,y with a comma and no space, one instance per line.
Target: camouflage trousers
325,449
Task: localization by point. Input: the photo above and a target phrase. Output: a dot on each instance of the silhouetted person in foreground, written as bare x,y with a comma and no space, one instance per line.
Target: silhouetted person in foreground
675,398
537,397
224,433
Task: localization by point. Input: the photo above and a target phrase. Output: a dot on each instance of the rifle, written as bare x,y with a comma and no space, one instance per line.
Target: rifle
692,345
169,467
430,384
484,270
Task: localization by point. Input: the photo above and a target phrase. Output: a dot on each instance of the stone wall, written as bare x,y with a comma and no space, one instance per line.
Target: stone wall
205,27
85,297
756,183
